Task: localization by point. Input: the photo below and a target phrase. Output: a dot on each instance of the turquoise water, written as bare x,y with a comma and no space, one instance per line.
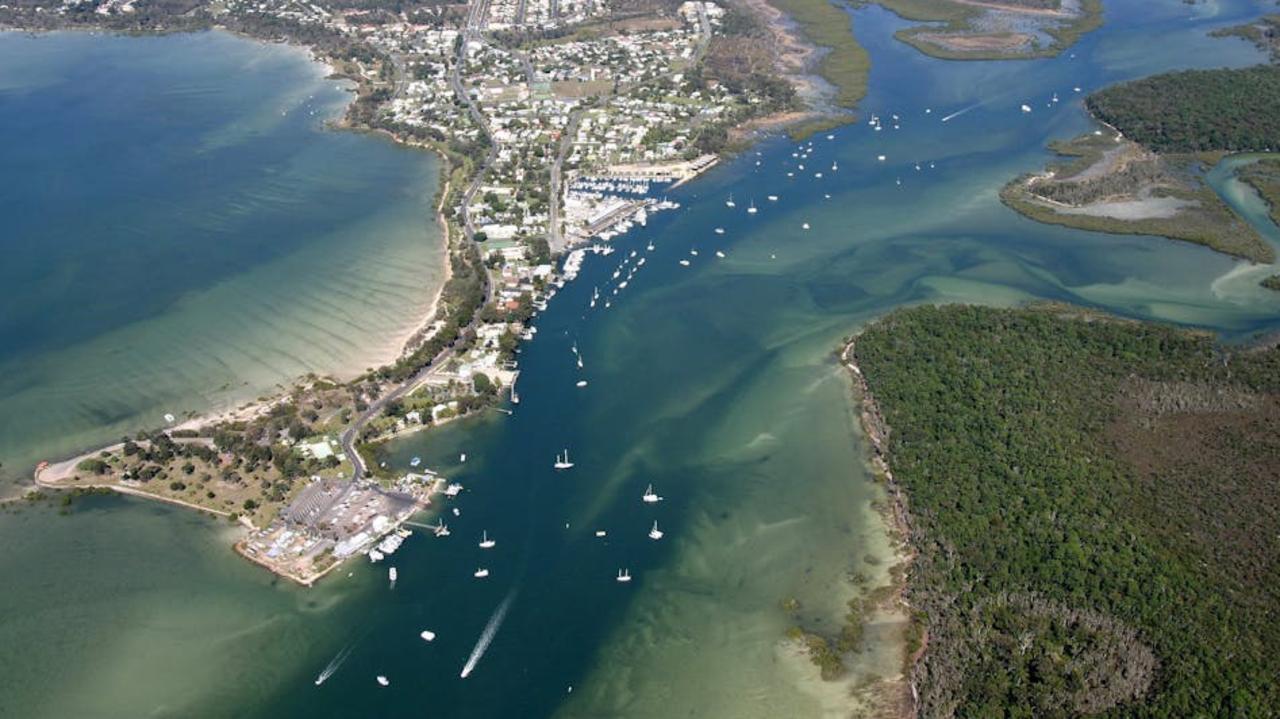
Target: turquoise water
181,233
716,383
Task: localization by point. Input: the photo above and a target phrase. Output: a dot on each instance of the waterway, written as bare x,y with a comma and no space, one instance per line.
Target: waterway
717,383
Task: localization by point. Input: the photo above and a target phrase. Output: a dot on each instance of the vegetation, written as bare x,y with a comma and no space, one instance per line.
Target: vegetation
1272,282
1265,33
1264,176
847,63
1093,503
1100,170
957,30
1233,110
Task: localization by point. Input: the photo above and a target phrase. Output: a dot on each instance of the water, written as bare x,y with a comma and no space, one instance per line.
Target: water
181,233
717,384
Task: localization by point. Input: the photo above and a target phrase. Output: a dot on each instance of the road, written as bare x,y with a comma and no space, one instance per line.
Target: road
554,237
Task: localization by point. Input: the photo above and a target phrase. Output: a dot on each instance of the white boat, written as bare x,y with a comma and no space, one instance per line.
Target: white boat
655,533
818,175
719,254
684,263
582,383
751,209
457,512
881,158
834,167
391,574
442,529
649,247
415,461
601,533
800,167
462,457
729,202
375,555
383,681
1026,108
485,542
805,226
650,496
427,635
563,462
773,198
693,252
481,573
624,575
719,230
169,418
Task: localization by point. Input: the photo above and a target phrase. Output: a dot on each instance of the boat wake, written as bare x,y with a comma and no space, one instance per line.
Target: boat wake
490,630
334,664
958,113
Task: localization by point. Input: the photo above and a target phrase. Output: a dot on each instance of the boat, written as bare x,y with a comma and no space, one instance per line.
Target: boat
457,512
773,198
719,230
563,462
818,175
655,533
881,158
649,247
415,461
805,226
729,202
383,681
427,635
485,542
751,209
719,254
169,418
693,252
391,574
582,383
650,496
624,575
601,533
481,573
375,555
462,457
442,529
684,263
1026,108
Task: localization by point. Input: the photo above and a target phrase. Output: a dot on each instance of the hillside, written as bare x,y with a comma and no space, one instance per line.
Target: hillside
1094,504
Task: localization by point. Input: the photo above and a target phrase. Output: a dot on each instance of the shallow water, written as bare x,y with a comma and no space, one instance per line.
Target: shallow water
716,383
181,233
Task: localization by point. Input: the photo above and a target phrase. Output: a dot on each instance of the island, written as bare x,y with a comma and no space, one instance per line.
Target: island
995,30
1091,504
1143,171
560,125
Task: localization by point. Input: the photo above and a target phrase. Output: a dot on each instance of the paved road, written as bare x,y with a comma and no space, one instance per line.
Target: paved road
554,237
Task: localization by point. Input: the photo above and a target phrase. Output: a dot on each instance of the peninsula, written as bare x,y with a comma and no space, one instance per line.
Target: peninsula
559,124
996,30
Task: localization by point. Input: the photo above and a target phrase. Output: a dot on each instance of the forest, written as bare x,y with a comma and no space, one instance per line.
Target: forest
1233,110
1093,503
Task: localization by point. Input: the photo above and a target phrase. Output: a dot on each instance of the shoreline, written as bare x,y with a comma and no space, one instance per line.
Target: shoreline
897,524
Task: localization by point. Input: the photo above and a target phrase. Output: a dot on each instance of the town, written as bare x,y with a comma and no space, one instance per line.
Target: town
560,125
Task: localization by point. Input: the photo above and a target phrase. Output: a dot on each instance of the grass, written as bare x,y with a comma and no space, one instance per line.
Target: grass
1211,223
846,64
959,20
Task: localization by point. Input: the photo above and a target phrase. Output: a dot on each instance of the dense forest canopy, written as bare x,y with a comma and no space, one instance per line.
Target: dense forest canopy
1095,504
1196,110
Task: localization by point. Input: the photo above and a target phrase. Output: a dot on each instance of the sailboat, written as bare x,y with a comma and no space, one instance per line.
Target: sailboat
751,209
441,529
383,681
481,573
655,533
719,230
729,202
485,542
624,575
427,635
563,462
650,496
